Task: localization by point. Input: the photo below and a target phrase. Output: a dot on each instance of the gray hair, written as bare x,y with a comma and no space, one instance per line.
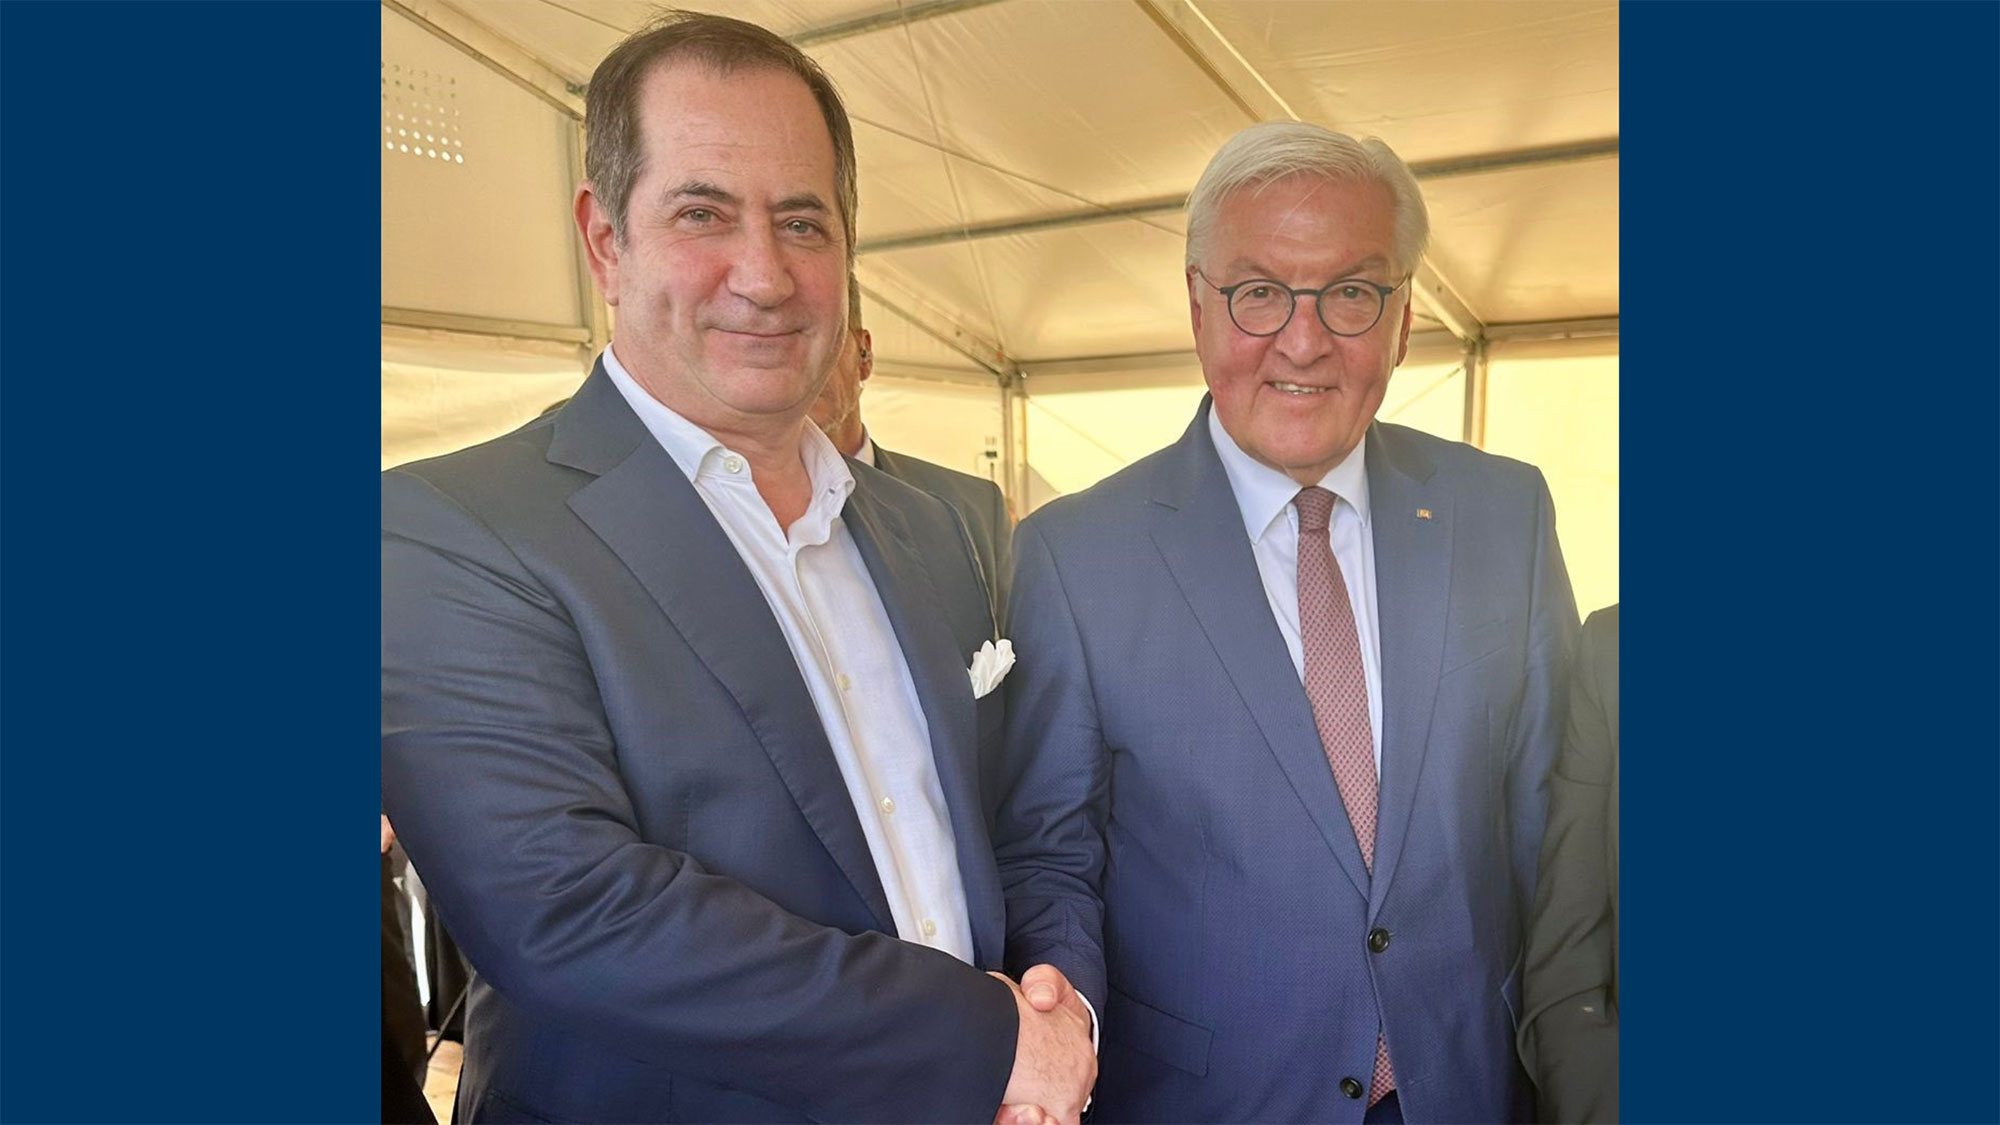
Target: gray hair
1275,149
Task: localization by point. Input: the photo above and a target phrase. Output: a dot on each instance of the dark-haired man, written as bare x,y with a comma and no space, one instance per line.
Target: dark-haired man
677,719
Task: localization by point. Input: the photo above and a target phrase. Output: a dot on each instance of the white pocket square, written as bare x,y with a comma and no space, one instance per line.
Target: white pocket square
989,666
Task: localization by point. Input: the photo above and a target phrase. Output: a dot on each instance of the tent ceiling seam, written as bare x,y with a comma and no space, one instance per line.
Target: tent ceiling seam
587,17
1004,171
951,179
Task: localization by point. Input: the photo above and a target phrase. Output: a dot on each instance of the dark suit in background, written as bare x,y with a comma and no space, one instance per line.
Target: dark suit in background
979,501
1569,1038
404,1051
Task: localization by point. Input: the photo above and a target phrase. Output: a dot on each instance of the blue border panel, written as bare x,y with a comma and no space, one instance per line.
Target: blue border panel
189,290
1810,468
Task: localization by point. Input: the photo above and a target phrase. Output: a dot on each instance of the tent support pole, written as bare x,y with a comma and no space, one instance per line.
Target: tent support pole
1014,439
1475,393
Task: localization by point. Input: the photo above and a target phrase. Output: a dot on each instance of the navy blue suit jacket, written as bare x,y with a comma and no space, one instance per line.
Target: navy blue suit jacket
1169,830
603,761
978,500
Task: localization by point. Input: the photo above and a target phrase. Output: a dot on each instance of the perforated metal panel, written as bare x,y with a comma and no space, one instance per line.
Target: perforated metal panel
488,235
420,114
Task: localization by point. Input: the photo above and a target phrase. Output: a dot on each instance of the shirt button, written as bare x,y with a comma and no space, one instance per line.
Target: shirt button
843,681
930,928
888,805
732,464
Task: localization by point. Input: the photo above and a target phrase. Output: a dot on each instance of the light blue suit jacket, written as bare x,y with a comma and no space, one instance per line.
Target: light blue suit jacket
1169,832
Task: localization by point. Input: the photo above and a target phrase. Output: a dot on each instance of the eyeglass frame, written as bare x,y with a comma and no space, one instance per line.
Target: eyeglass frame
1229,302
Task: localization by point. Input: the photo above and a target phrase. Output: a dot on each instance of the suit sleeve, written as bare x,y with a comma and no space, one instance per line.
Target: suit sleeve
501,775
1536,731
1569,1036
1051,784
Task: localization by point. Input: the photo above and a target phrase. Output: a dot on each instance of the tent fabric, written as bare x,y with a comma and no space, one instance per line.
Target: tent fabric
1078,127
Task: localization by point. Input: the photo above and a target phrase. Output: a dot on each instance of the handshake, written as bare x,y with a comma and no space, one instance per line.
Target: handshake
1055,1062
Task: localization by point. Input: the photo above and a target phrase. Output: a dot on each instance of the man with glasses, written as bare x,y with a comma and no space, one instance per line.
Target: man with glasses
1286,694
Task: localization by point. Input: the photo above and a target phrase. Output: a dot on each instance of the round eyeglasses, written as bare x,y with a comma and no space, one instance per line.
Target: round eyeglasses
1262,307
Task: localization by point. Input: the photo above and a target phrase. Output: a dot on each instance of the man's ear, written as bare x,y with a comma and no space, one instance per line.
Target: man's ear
867,354
1194,301
600,241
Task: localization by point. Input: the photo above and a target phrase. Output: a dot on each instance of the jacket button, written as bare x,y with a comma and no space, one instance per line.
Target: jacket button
1378,940
1350,1087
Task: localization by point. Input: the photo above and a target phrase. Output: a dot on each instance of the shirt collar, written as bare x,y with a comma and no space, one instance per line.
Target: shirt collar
699,455
1263,493
866,454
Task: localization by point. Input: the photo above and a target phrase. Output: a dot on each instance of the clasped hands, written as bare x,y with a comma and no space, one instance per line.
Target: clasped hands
1054,1062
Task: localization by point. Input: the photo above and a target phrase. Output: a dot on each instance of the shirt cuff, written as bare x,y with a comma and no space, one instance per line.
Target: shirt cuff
1092,1009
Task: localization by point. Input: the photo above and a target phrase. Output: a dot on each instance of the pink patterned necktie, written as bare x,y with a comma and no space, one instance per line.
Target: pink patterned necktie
1337,688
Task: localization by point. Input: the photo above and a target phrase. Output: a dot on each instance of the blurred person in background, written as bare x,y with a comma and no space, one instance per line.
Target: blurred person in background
978,501
1569,1034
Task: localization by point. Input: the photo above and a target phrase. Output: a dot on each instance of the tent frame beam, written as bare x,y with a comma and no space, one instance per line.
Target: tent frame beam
1004,372
1527,330
1539,157
493,50
895,16
485,325
941,328
1519,332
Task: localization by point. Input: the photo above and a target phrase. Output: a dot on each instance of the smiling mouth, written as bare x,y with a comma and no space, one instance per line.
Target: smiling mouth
1296,388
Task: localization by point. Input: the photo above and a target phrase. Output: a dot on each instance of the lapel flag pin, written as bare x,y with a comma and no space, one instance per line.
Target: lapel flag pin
1423,513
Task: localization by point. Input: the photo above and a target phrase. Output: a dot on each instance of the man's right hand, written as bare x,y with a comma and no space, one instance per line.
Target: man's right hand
1054,1065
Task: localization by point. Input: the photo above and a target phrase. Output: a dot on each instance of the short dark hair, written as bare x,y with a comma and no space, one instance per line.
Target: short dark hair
614,153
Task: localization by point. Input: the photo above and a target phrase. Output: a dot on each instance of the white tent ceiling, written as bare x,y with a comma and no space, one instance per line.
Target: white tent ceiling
1022,169
1022,161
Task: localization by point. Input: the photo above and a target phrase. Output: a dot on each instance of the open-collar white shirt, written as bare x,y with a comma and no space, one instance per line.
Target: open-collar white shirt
819,589
1264,496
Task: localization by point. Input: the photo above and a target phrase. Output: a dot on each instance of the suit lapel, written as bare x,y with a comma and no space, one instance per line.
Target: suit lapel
1198,529
937,668
979,540
649,514
1412,592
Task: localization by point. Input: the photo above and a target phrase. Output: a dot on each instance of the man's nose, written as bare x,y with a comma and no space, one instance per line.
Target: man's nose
1304,340
760,273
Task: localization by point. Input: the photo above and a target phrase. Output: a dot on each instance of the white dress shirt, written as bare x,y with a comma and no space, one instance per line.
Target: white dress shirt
825,601
1264,495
